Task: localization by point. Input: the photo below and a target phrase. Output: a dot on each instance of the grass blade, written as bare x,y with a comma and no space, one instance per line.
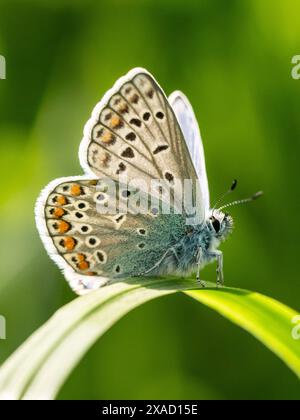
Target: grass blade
41,365
266,319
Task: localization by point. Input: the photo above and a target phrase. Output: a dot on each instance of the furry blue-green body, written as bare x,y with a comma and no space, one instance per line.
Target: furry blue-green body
172,247
197,246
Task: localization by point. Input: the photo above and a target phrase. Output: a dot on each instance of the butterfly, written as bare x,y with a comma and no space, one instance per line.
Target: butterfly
136,132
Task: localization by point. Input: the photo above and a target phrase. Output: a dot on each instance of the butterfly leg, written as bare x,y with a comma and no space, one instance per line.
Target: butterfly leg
199,258
218,255
172,250
220,276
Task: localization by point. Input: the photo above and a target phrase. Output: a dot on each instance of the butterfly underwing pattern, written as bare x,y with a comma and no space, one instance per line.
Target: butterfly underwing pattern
136,133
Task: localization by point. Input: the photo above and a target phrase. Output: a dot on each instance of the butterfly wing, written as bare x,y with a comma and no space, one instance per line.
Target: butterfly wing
189,126
134,132
93,248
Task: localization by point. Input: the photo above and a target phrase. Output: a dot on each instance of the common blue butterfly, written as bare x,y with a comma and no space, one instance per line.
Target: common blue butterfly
136,133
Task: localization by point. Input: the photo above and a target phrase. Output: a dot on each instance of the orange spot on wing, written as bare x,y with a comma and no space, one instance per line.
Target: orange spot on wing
69,243
83,265
76,189
58,212
64,226
116,122
80,257
91,273
61,199
107,137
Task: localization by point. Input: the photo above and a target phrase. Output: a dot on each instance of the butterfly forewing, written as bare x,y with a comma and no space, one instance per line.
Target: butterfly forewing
135,133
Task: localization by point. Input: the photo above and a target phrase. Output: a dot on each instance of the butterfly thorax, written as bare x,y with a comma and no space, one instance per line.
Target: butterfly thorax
198,245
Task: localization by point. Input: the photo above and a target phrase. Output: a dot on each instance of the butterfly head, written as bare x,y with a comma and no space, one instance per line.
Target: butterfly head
220,224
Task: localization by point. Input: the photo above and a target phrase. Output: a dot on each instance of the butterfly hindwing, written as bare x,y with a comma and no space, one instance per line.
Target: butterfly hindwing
94,248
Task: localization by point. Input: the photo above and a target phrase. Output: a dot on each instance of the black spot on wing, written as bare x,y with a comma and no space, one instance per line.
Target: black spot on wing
160,149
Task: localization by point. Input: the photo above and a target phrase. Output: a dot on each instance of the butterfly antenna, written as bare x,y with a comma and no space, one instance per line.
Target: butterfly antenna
232,188
245,200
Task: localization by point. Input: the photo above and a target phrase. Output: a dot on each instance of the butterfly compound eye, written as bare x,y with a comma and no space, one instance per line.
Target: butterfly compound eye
216,225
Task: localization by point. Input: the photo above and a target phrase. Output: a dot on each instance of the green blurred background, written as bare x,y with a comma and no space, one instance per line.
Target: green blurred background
233,60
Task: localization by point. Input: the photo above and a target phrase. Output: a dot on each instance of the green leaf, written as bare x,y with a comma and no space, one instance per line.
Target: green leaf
266,319
40,366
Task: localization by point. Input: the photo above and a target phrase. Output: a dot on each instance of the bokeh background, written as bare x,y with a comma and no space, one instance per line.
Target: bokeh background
233,60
